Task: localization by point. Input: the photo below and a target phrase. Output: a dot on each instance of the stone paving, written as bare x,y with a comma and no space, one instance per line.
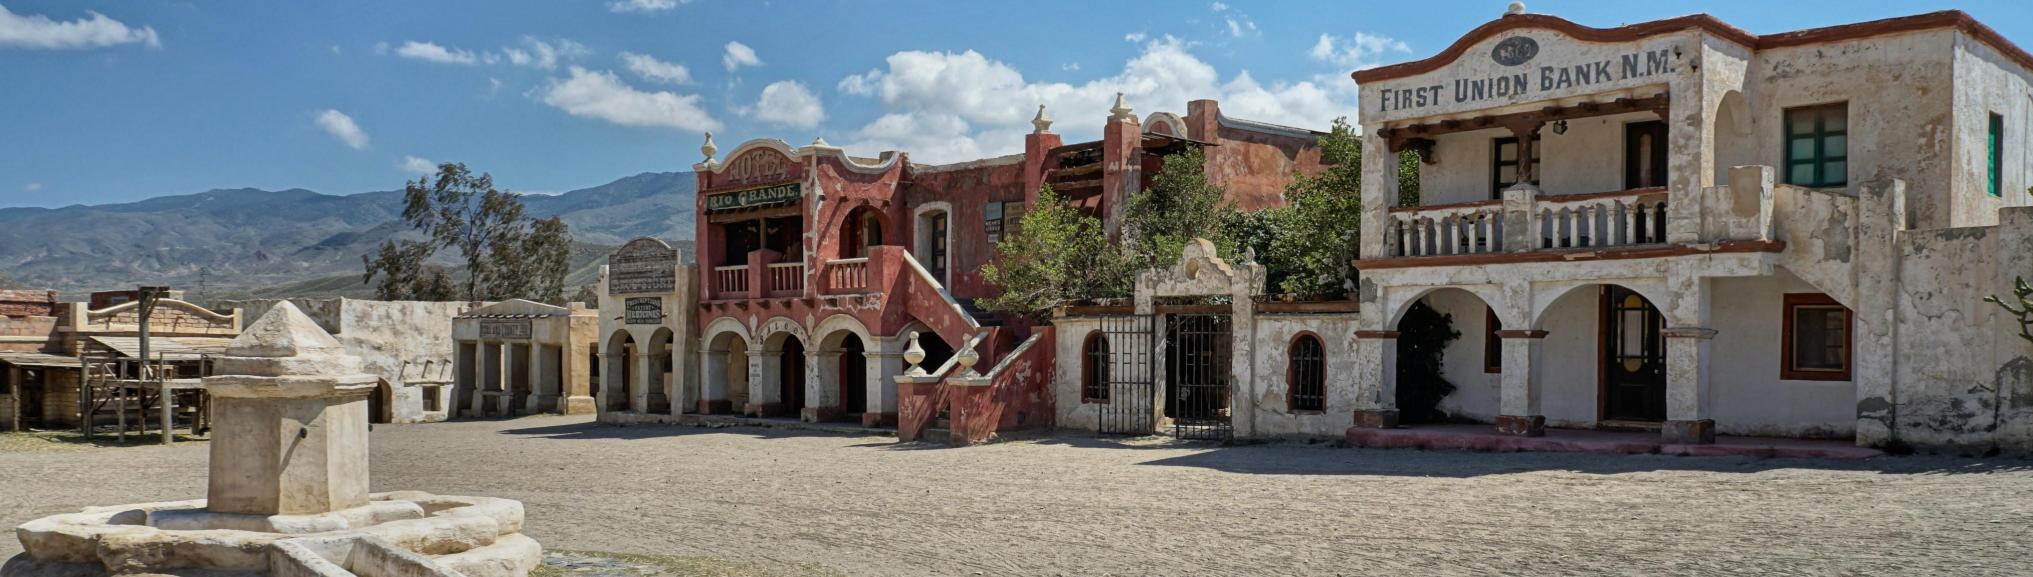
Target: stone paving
790,502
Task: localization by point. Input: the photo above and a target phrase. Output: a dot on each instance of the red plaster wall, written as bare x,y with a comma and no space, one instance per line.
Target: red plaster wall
968,190
1254,166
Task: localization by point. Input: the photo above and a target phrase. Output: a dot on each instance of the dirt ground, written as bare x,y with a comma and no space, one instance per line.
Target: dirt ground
1084,506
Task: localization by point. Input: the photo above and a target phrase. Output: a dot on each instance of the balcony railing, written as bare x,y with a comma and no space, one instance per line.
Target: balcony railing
1602,220
1466,228
786,277
1530,222
847,275
730,281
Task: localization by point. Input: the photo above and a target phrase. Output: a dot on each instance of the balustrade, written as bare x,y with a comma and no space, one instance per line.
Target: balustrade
786,277
730,281
847,275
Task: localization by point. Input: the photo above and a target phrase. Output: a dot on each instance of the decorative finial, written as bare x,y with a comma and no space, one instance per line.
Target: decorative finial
966,357
914,355
1121,111
1515,8
1042,121
820,141
708,148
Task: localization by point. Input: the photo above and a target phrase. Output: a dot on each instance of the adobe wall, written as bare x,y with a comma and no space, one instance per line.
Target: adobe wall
1963,376
965,190
1986,83
394,340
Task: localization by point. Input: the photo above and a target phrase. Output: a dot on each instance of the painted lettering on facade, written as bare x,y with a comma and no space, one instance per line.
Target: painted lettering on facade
505,328
758,166
1529,79
754,197
644,265
643,311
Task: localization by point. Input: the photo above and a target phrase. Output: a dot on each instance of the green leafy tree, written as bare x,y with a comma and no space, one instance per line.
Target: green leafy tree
1422,341
1313,239
506,254
406,274
1180,205
1056,254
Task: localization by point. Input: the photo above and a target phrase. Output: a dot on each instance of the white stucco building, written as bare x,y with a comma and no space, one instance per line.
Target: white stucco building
1679,225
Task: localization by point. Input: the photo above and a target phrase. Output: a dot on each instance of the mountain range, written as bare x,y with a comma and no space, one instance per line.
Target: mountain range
241,243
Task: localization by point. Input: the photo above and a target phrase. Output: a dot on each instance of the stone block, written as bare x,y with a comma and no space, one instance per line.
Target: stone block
1522,426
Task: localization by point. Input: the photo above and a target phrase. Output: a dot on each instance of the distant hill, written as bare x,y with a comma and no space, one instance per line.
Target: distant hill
250,242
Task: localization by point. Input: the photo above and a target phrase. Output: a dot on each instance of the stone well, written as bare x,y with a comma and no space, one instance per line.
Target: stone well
288,493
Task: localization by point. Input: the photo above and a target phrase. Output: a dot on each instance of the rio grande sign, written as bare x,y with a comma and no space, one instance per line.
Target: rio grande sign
768,195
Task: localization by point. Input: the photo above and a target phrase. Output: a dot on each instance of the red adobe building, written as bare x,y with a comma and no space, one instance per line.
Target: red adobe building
816,266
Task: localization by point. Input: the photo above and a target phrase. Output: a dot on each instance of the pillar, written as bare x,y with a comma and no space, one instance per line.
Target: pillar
885,363
1379,193
1376,382
543,388
489,354
822,396
1121,175
1518,407
646,375
1688,402
763,399
714,384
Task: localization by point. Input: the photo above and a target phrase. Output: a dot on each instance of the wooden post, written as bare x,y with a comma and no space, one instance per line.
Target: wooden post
168,403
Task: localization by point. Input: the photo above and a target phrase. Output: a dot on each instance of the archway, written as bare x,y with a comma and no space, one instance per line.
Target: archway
791,378
1613,375
1733,141
842,369
1449,358
620,373
378,404
862,228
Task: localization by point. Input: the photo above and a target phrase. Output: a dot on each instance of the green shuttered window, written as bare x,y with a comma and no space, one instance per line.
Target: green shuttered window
1817,145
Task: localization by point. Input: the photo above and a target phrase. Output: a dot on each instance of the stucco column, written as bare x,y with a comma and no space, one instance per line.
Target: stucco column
541,398
1688,151
822,396
13,422
489,356
1376,379
885,363
1688,401
1379,193
763,366
1881,219
645,376
1518,408
713,382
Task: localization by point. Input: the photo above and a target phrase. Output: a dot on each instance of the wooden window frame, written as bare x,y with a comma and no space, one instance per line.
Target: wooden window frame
1820,135
1497,164
1492,345
1794,301
1292,373
1994,155
1088,373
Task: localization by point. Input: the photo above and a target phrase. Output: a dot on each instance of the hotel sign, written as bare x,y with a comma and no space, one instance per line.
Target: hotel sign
768,195
643,311
644,265
505,328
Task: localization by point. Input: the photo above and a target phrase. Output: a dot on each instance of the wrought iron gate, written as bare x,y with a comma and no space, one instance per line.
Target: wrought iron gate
1197,378
1121,365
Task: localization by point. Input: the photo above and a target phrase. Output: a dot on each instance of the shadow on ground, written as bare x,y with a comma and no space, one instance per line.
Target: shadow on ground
1330,458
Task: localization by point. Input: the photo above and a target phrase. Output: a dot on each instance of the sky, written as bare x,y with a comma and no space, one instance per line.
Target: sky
105,101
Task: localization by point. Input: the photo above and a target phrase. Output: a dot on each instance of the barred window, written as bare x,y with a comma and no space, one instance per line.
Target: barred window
1094,369
1306,379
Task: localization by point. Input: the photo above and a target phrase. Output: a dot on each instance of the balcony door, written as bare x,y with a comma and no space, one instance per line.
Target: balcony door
1644,154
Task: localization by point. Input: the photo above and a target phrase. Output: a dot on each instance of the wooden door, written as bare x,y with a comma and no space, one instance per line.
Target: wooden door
1634,358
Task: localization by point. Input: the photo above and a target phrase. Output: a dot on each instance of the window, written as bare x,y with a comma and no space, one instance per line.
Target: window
1995,153
1817,145
1306,378
1503,171
1492,346
1816,339
1094,369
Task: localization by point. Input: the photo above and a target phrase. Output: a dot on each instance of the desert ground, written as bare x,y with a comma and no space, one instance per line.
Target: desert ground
806,502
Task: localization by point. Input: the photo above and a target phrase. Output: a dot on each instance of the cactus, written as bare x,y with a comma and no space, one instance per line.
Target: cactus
2024,311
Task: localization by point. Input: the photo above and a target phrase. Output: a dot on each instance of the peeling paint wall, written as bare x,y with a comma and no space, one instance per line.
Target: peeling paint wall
394,340
1986,83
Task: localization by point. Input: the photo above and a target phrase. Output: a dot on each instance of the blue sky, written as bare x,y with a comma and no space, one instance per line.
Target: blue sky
112,101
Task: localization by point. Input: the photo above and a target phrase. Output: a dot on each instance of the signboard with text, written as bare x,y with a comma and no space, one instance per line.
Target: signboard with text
505,328
643,311
765,196
644,265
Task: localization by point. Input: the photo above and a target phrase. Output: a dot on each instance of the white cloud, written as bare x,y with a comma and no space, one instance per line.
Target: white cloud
1070,67
789,103
1360,51
342,127
434,53
96,30
739,55
644,5
414,165
945,106
1219,7
1239,27
544,55
31,187
1137,37
653,70
601,95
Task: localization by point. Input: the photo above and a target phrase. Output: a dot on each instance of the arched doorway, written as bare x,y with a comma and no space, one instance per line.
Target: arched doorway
861,229
791,378
621,351
934,240
853,377
1633,356
378,404
1449,360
